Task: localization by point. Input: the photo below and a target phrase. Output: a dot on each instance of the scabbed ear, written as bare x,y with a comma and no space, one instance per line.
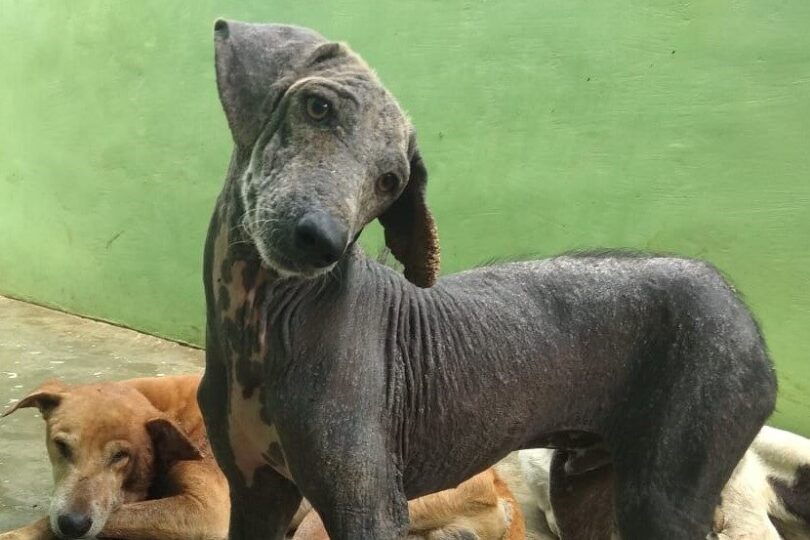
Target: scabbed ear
170,442
410,232
250,59
46,398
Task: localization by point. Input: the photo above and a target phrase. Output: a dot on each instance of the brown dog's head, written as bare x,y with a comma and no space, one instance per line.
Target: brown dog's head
327,150
105,442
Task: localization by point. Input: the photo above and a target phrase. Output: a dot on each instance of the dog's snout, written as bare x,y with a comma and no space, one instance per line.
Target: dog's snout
74,525
320,238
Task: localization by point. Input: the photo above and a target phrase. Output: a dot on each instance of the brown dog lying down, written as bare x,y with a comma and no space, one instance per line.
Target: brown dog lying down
482,507
131,460
766,498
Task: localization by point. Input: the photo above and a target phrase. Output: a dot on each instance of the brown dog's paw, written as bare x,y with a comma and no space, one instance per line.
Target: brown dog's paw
453,533
19,534
39,530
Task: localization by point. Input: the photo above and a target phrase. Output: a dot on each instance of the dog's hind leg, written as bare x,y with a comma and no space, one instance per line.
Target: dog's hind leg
681,433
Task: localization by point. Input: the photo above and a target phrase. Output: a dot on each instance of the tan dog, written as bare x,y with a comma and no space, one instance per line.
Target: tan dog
482,508
131,460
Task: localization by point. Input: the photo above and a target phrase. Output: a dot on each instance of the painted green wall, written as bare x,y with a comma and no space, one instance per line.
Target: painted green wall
665,125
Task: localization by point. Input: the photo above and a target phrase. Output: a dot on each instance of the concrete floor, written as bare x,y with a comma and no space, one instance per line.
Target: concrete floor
37,344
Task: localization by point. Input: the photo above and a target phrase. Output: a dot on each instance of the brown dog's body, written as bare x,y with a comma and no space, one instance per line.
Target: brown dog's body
131,460
482,508
134,458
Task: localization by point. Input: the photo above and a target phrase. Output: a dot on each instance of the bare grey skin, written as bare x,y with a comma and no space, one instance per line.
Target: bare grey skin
334,377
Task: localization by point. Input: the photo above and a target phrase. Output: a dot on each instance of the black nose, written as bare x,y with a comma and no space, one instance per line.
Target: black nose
320,238
74,525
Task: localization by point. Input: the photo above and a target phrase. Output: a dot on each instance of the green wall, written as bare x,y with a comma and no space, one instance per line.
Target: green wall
665,125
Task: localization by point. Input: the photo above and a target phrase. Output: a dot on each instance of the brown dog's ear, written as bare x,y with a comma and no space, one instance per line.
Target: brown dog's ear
46,398
410,232
250,59
170,442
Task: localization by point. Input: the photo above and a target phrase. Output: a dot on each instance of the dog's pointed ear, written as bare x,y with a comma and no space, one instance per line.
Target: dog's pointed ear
170,442
250,59
45,398
410,231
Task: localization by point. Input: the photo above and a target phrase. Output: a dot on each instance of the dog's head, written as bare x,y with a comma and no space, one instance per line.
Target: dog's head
329,151
105,443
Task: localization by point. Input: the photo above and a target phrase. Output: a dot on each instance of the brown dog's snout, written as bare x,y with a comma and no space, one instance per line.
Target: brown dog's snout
74,524
320,239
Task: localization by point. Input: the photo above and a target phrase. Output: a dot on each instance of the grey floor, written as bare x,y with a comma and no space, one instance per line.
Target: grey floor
37,344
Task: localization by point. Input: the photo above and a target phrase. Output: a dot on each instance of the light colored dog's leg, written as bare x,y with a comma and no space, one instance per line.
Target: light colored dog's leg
743,513
38,530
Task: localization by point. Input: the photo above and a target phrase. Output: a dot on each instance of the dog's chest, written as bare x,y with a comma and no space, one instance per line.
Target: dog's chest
238,292
255,442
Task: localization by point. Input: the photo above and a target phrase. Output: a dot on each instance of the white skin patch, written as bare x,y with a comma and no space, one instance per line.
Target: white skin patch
250,437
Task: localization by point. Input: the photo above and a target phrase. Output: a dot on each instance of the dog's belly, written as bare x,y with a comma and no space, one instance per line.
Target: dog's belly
255,444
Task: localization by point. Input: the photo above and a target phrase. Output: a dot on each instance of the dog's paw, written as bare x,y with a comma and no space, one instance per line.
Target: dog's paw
39,530
453,533
15,535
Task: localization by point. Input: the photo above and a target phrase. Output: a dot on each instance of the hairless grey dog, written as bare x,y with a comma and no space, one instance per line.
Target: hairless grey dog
331,376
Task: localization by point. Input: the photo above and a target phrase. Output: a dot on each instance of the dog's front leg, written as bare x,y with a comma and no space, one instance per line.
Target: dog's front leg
265,509
38,530
374,515
170,518
198,511
380,519
353,484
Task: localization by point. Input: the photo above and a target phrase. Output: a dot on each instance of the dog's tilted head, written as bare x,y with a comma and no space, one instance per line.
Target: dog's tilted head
105,442
329,151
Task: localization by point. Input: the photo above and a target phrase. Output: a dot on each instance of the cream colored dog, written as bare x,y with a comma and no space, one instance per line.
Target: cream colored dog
766,498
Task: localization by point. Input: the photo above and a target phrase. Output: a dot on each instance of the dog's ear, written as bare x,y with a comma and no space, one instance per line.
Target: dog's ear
46,398
325,53
250,59
170,442
410,232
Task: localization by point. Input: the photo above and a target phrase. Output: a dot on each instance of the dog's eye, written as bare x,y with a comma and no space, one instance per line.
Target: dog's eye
63,449
388,183
119,456
318,108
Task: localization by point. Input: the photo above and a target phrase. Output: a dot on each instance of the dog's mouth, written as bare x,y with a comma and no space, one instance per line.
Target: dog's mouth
288,267
305,245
